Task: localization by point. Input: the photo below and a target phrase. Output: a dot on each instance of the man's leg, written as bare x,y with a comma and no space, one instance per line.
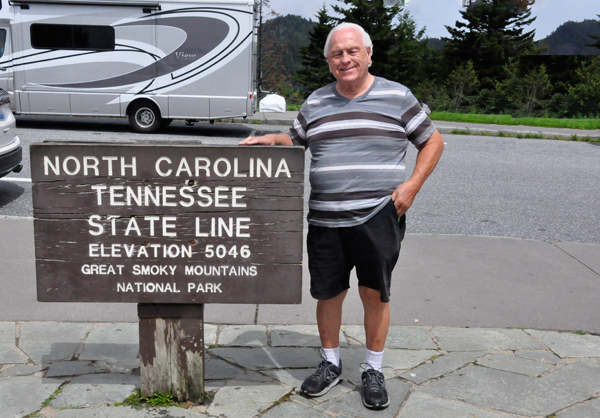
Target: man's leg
377,323
377,318
329,320
329,283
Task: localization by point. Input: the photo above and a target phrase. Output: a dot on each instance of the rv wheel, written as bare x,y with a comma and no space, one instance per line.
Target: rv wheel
144,117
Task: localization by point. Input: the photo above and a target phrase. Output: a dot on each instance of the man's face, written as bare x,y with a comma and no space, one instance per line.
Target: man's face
348,58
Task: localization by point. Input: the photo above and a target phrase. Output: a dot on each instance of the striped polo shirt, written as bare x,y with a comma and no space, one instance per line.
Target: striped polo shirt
358,148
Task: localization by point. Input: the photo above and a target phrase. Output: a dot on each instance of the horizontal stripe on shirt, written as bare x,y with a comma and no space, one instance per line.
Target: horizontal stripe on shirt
345,205
357,132
354,124
345,116
357,167
332,197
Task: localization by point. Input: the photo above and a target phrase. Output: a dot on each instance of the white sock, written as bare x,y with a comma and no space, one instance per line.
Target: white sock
374,359
333,355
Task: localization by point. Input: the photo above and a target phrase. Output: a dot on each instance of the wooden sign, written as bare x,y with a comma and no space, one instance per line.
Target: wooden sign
167,223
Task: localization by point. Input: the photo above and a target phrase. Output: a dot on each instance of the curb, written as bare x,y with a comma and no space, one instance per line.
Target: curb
521,133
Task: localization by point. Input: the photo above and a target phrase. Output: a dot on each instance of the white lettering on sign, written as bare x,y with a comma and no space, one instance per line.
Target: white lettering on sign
219,227
71,166
148,287
204,287
112,165
222,167
203,270
102,269
153,270
146,251
167,196
167,223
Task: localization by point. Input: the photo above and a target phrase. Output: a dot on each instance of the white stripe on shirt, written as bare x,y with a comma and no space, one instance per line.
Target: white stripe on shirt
358,167
355,124
415,122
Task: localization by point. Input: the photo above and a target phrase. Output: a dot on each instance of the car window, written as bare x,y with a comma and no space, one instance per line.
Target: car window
2,41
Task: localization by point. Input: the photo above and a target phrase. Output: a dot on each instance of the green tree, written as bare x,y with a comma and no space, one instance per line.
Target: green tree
398,46
597,38
461,83
535,86
521,95
585,95
314,71
494,32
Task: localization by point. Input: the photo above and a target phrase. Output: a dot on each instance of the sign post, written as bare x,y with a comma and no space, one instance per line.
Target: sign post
170,227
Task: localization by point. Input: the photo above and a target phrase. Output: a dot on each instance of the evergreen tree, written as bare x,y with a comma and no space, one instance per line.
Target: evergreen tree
398,47
461,83
597,38
494,32
314,71
585,95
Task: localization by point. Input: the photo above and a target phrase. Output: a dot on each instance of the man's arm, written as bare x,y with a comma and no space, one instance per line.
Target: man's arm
429,154
271,139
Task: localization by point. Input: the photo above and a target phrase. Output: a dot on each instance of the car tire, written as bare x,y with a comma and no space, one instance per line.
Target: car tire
144,117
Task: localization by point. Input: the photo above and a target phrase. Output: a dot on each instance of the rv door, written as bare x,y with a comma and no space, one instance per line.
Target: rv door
6,74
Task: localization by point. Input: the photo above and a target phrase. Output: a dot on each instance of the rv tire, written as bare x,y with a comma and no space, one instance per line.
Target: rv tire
144,117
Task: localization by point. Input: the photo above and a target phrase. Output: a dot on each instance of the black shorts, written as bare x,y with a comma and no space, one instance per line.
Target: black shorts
373,248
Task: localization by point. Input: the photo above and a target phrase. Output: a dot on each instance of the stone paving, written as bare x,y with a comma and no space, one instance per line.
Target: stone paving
85,370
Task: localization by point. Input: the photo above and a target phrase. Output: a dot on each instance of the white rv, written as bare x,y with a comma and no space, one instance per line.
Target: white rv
151,61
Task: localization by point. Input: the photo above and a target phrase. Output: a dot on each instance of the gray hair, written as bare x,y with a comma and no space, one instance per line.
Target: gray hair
366,38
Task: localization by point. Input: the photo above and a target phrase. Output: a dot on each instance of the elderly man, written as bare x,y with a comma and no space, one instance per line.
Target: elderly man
357,129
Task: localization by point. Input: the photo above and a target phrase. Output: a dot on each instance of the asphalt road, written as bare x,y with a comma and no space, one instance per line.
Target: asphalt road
521,188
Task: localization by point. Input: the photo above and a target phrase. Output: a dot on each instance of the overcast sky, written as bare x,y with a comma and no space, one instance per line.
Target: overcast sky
434,14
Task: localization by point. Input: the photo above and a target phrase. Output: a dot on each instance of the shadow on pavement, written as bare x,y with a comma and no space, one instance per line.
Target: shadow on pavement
9,192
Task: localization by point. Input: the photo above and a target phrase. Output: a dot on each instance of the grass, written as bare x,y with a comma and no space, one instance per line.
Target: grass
509,120
46,403
158,399
579,332
503,134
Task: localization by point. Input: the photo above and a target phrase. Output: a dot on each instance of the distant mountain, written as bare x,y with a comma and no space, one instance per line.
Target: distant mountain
571,38
282,38
435,43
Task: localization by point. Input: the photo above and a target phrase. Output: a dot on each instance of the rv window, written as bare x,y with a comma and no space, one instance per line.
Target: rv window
2,41
95,38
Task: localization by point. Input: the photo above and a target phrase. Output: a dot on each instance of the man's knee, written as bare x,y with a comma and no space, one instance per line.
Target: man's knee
371,298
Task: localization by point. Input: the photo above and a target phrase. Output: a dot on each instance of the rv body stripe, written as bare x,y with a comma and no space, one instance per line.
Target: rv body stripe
154,5
205,69
198,9
210,32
